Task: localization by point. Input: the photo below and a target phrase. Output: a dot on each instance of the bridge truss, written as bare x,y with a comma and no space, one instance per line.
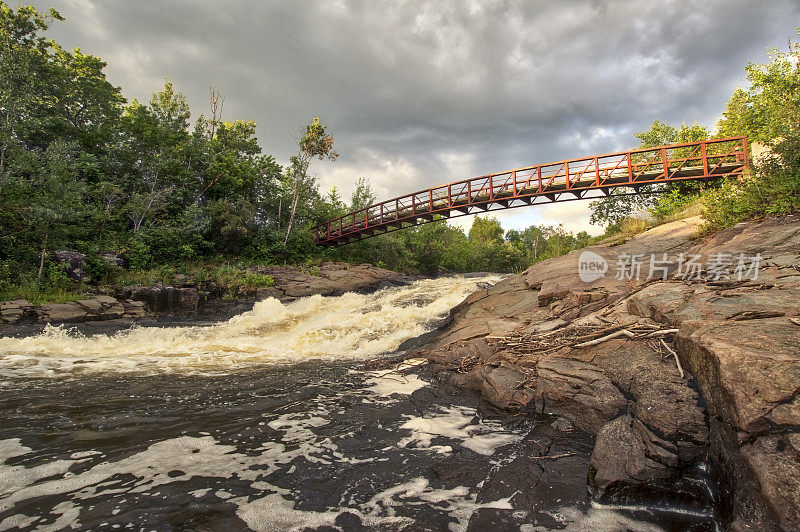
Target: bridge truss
544,183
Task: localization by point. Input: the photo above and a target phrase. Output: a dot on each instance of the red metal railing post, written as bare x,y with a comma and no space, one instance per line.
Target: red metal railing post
597,171
430,199
630,168
746,152
381,213
566,173
449,195
414,205
514,181
704,154
491,187
469,192
539,171
397,209
665,163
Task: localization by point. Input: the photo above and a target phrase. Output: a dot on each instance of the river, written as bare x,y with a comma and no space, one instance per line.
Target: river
272,421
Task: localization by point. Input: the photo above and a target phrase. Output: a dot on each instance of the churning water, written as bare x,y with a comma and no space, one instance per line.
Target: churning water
269,421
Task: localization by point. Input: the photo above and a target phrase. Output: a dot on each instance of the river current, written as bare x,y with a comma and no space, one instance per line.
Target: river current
271,421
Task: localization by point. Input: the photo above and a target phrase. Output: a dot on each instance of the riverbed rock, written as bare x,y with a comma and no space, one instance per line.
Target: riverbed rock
168,299
17,311
627,453
738,345
62,313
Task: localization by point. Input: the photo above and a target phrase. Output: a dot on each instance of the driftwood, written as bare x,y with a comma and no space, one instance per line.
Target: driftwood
552,456
577,336
623,332
796,321
674,354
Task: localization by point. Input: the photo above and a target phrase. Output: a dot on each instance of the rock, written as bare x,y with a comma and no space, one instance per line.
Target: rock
577,390
500,386
626,454
775,459
91,306
73,262
563,424
168,299
17,311
115,259
135,309
62,313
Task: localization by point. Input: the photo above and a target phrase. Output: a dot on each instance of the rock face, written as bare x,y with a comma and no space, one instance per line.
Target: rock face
737,338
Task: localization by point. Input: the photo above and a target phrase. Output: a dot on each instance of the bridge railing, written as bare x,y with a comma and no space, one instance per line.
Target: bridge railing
693,160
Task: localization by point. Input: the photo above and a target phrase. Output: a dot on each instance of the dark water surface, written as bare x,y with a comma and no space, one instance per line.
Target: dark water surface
311,446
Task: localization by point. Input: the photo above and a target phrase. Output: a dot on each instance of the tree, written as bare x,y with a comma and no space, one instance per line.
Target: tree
314,143
362,196
770,107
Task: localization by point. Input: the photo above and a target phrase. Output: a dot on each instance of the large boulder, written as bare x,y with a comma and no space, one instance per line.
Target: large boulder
73,262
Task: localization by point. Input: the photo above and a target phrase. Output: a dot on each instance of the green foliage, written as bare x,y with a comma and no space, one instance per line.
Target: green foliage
617,206
98,268
770,107
774,189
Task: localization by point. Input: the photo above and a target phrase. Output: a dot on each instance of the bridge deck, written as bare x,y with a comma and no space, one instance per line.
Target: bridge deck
560,181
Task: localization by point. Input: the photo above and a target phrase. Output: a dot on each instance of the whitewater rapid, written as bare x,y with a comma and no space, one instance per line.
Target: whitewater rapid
348,327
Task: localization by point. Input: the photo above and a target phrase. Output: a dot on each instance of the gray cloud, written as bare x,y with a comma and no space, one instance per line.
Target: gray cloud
417,93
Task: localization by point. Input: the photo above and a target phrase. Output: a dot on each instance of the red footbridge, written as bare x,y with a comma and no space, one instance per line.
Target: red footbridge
582,178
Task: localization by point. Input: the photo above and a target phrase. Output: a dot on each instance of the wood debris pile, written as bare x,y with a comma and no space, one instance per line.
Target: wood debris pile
577,336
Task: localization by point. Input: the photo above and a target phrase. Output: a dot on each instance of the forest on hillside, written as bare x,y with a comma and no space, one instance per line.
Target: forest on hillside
83,169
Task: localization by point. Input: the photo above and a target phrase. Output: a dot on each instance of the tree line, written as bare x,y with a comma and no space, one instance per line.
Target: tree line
83,169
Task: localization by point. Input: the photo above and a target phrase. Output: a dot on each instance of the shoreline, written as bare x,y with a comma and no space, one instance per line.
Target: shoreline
183,303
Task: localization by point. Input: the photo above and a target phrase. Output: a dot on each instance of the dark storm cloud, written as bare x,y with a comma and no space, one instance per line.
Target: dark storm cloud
417,93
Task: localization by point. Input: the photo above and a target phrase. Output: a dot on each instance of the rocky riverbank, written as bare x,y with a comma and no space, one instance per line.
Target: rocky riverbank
699,369
186,299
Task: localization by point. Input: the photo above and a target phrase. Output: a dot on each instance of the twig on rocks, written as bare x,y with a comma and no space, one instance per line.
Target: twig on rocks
623,332
796,321
674,354
552,456
662,332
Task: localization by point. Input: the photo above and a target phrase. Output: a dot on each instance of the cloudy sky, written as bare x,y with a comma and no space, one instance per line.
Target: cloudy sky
420,93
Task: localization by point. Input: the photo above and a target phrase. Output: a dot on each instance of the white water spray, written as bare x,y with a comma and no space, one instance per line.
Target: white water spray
351,326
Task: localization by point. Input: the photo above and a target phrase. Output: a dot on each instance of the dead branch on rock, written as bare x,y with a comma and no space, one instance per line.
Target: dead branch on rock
578,336
796,321
662,332
552,456
623,332
674,354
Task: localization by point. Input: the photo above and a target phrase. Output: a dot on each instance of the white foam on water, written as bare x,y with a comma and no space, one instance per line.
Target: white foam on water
386,384
351,326
598,517
186,457
457,423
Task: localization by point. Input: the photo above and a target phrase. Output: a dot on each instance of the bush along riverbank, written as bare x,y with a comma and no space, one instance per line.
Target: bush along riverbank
679,353
209,293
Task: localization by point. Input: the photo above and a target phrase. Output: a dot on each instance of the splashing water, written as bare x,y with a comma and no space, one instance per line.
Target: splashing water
351,326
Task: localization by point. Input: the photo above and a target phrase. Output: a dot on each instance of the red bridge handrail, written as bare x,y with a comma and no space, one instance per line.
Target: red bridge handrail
552,181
